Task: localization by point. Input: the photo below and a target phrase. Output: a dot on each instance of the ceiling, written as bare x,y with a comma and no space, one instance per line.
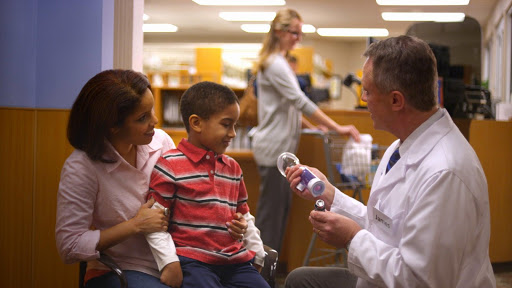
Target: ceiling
202,24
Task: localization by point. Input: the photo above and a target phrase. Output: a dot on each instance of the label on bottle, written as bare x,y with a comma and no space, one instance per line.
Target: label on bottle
313,183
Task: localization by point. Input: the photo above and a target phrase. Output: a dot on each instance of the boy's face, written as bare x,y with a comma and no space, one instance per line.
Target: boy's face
217,132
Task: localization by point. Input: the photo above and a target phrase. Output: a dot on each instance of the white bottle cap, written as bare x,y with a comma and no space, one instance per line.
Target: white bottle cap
316,187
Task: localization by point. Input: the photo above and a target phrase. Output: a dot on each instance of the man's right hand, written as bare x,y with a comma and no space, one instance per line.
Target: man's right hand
293,176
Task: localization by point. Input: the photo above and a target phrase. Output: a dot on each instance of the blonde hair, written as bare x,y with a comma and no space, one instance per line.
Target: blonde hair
281,22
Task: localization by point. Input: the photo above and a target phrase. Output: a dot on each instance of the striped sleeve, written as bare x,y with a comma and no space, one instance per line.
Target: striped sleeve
242,205
162,184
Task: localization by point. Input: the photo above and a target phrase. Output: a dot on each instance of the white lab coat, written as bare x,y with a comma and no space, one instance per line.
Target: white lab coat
427,221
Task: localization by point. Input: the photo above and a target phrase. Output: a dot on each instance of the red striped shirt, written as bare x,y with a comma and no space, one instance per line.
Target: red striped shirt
203,190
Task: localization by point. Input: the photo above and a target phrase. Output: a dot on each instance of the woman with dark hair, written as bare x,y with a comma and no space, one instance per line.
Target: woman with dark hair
101,203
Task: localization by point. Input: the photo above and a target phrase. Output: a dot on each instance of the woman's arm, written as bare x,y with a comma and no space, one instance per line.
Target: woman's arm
76,200
320,117
146,221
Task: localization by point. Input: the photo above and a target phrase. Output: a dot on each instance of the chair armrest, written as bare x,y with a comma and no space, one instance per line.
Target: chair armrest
110,263
269,269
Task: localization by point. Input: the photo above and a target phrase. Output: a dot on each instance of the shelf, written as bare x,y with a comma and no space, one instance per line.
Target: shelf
167,104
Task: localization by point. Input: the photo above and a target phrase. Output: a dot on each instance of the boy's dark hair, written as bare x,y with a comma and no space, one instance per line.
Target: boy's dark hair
105,101
205,99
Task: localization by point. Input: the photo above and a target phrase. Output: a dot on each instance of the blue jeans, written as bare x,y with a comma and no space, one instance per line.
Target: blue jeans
199,274
135,279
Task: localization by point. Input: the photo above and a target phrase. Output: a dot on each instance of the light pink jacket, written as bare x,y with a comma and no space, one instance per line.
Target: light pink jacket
93,193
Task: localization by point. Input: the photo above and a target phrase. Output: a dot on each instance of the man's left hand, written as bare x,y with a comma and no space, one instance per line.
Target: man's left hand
332,228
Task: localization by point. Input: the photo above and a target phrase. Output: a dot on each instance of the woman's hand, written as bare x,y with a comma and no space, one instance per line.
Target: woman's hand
150,220
237,227
322,128
147,220
349,130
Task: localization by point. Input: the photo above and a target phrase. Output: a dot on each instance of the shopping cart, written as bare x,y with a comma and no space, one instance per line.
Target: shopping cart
350,167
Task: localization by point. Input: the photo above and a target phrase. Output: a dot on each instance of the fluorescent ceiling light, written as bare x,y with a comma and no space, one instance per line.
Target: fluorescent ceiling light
145,17
159,28
248,16
423,16
422,2
241,2
256,28
352,32
308,28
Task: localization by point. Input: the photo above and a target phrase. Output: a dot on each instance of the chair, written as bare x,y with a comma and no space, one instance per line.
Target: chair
269,269
268,272
107,261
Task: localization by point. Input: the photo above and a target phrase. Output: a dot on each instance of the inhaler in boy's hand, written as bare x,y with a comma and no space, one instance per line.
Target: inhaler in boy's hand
307,179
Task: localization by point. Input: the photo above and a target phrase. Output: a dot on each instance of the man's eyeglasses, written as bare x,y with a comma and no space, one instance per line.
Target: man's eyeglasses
295,33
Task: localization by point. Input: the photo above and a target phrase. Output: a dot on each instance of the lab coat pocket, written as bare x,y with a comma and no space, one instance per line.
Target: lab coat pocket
387,228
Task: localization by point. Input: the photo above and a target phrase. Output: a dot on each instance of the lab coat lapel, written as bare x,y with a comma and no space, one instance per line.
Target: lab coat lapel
382,180
418,150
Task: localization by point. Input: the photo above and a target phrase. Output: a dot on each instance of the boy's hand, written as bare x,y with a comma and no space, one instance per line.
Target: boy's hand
237,227
172,275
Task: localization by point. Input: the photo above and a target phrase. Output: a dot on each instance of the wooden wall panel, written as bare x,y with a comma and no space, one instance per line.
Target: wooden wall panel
16,186
492,141
52,149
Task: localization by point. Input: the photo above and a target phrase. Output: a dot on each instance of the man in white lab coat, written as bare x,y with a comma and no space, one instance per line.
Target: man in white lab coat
426,223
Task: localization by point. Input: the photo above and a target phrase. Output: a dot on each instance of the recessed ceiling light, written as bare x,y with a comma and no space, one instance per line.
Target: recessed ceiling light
423,16
352,32
422,2
159,28
248,16
241,2
256,28
145,17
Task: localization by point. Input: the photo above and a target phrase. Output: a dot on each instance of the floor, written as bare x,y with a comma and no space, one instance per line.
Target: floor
502,272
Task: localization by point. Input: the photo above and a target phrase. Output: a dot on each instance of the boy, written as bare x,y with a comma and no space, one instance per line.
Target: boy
205,191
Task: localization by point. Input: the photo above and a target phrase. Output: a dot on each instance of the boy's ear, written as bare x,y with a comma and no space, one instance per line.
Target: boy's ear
194,122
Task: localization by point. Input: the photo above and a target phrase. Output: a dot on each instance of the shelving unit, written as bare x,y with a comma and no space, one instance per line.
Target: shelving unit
169,114
211,66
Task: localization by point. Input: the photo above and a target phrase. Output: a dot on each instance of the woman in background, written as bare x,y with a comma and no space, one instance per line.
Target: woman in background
281,103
